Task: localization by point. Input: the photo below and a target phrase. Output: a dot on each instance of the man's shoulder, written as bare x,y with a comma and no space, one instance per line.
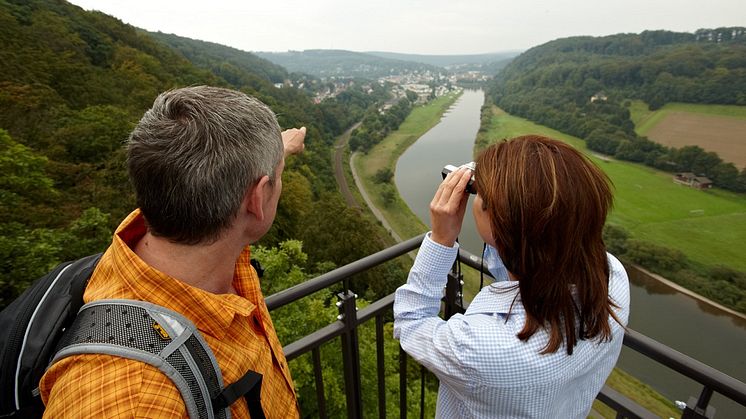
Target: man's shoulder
98,385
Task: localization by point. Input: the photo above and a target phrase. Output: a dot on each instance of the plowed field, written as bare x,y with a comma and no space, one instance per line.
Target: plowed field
723,135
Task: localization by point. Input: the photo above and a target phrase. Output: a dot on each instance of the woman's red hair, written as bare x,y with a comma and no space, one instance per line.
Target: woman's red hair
547,204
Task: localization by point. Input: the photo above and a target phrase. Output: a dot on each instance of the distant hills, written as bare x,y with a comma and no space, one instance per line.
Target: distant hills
490,63
342,63
227,61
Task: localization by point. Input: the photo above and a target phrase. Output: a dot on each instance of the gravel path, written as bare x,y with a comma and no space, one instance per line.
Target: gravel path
339,174
370,204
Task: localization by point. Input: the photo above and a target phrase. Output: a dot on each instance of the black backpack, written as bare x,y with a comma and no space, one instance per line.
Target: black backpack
49,322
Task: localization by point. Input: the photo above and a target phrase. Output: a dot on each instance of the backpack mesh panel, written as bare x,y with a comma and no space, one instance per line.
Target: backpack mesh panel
127,326
132,327
176,359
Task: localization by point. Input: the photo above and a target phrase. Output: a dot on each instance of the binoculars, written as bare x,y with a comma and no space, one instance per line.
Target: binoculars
471,166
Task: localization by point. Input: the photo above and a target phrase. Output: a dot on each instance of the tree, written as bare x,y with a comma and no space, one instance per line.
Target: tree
615,238
23,183
284,266
388,193
686,156
296,202
94,133
657,258
383,175
28,253
725,175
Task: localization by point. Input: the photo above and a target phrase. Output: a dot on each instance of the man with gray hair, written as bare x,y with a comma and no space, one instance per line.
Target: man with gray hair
206,164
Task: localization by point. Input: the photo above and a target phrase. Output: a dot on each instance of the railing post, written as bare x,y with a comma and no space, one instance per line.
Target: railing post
453,294
319,377
381,368
350,353
698,409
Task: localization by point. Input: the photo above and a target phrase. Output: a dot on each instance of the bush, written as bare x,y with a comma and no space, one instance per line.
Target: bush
383,176
657,258
615,238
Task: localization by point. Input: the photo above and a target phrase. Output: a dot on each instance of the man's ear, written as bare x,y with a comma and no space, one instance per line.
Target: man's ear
255,197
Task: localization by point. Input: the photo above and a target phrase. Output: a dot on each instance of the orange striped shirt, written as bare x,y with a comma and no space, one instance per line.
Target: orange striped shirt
237,328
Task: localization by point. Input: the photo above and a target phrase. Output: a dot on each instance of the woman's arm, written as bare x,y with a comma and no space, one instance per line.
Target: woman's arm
442,347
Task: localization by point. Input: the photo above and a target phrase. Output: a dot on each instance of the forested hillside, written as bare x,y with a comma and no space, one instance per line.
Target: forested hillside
72,86
230,63
582,85
340,63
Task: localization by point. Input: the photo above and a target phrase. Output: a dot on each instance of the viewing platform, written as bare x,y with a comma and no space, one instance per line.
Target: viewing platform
350,318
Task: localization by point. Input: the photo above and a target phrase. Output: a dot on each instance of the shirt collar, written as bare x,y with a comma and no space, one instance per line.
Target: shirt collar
500,297
211,313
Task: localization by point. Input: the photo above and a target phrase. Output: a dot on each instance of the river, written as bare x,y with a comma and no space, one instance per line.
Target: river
710,335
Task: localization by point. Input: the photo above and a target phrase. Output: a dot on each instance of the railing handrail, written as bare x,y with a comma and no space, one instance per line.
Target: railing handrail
659,352
686,365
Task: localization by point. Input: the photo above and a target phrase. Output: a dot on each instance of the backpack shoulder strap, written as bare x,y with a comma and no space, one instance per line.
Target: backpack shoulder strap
250,387
152,334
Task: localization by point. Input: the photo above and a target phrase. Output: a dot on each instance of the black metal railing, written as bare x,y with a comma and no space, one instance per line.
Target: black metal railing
349,319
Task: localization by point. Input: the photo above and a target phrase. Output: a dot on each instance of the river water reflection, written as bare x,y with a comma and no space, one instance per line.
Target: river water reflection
694,328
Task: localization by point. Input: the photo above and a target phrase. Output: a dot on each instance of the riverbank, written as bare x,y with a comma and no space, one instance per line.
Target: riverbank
689,293
384,155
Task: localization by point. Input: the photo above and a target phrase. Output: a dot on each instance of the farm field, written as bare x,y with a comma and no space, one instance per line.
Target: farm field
709,227
718,128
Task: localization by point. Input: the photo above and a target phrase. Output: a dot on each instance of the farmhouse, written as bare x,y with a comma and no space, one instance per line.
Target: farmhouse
599,97
693,181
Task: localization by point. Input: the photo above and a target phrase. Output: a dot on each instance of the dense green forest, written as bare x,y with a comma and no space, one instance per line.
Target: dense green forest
341,63
229,63
377,125
73,84
553,84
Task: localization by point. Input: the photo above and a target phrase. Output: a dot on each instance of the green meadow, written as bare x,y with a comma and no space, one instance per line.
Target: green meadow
709,227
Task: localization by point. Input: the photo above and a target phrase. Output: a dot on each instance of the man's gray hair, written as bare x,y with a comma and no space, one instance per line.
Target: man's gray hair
193,156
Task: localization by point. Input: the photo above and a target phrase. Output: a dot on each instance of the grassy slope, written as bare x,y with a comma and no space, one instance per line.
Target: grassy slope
645,119
702,224
638,391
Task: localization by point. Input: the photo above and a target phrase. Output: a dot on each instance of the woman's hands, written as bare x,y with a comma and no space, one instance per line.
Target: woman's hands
448,206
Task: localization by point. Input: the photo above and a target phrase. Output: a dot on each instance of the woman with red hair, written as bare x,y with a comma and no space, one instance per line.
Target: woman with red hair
542,339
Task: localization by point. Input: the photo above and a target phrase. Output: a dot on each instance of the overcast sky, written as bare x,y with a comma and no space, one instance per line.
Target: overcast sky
413,26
